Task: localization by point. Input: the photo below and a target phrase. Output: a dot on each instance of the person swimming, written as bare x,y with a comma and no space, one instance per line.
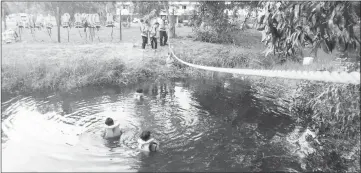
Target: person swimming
139,94
112,129
146,143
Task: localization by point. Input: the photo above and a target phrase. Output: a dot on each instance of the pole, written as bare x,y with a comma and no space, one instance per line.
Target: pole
59,21
4,18
120,23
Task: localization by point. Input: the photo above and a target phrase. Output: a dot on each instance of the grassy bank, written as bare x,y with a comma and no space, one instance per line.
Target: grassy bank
28,68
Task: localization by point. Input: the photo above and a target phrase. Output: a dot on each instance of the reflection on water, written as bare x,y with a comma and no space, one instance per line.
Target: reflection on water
202,126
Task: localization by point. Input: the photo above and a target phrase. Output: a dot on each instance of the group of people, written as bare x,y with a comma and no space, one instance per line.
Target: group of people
152,32
145,142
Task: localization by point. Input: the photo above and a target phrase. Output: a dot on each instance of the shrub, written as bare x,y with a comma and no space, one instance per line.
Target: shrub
332,110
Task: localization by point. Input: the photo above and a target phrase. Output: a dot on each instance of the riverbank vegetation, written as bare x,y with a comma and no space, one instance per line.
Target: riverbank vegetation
291,31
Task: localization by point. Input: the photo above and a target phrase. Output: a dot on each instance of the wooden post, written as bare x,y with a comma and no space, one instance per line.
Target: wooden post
59,21
4,18
172,22
120,23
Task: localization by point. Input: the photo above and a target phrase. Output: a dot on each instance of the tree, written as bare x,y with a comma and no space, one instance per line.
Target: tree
288,27
145,7
4,11
213,24
171,20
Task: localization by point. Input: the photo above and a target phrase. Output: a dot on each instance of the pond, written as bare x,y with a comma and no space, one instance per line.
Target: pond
202,125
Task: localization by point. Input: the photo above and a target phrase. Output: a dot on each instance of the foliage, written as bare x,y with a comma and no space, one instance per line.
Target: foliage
334,113
212,22
145,7
45,8
289,26
215,22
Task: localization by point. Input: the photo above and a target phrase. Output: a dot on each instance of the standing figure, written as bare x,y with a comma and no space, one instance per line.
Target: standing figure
65,20
39,23
78,20
144,29
154,34
163,31
48,24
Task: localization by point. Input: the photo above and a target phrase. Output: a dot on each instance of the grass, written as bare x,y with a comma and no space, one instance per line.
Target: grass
32,65
65,67
43,64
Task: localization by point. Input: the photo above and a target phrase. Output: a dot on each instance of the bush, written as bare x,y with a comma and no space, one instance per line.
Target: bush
209,35
332,110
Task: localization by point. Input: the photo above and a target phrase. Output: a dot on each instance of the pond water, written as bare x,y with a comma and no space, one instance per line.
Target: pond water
202,125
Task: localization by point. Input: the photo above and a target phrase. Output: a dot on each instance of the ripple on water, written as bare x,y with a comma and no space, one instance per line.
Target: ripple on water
64,133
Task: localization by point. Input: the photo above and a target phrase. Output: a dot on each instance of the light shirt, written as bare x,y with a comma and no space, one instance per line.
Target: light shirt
144,29
154,32
163,25
144,145
112,131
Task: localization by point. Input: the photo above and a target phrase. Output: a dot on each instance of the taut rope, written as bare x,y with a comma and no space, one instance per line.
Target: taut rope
325,76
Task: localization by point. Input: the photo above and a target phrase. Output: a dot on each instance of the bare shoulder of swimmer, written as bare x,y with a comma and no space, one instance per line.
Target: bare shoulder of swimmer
153,140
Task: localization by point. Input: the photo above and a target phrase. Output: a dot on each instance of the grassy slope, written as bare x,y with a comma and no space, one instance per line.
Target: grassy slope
41,63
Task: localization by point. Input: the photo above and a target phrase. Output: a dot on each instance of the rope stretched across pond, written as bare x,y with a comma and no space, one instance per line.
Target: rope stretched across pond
336,77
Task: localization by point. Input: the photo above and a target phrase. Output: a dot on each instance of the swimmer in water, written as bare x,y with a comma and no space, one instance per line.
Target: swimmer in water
146,143
139,94
112,129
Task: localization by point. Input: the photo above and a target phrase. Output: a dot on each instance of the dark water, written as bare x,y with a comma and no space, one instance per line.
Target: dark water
201,125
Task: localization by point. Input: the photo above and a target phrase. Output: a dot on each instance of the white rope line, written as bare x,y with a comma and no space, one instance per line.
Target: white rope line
336,77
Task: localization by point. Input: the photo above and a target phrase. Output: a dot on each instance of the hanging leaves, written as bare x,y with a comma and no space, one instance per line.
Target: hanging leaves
293,25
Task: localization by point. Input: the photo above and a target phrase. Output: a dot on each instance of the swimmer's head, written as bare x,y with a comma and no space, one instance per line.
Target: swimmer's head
139,91
145,135
141,20
109,121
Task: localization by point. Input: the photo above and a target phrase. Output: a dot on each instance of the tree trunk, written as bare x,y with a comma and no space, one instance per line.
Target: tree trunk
58,22
172,21
120,24
4,18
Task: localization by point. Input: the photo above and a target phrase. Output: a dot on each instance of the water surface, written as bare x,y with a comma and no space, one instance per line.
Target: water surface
202,126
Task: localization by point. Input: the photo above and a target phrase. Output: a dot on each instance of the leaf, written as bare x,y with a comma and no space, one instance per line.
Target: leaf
265,19
314,20
308,38
261,18
274,15
301,38
332,15
296,11
264,35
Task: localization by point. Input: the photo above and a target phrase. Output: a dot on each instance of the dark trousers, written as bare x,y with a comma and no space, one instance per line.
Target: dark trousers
153,42
163,38
145,41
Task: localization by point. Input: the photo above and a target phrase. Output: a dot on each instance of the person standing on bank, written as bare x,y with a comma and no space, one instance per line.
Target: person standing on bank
163,31
144,29
154,35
